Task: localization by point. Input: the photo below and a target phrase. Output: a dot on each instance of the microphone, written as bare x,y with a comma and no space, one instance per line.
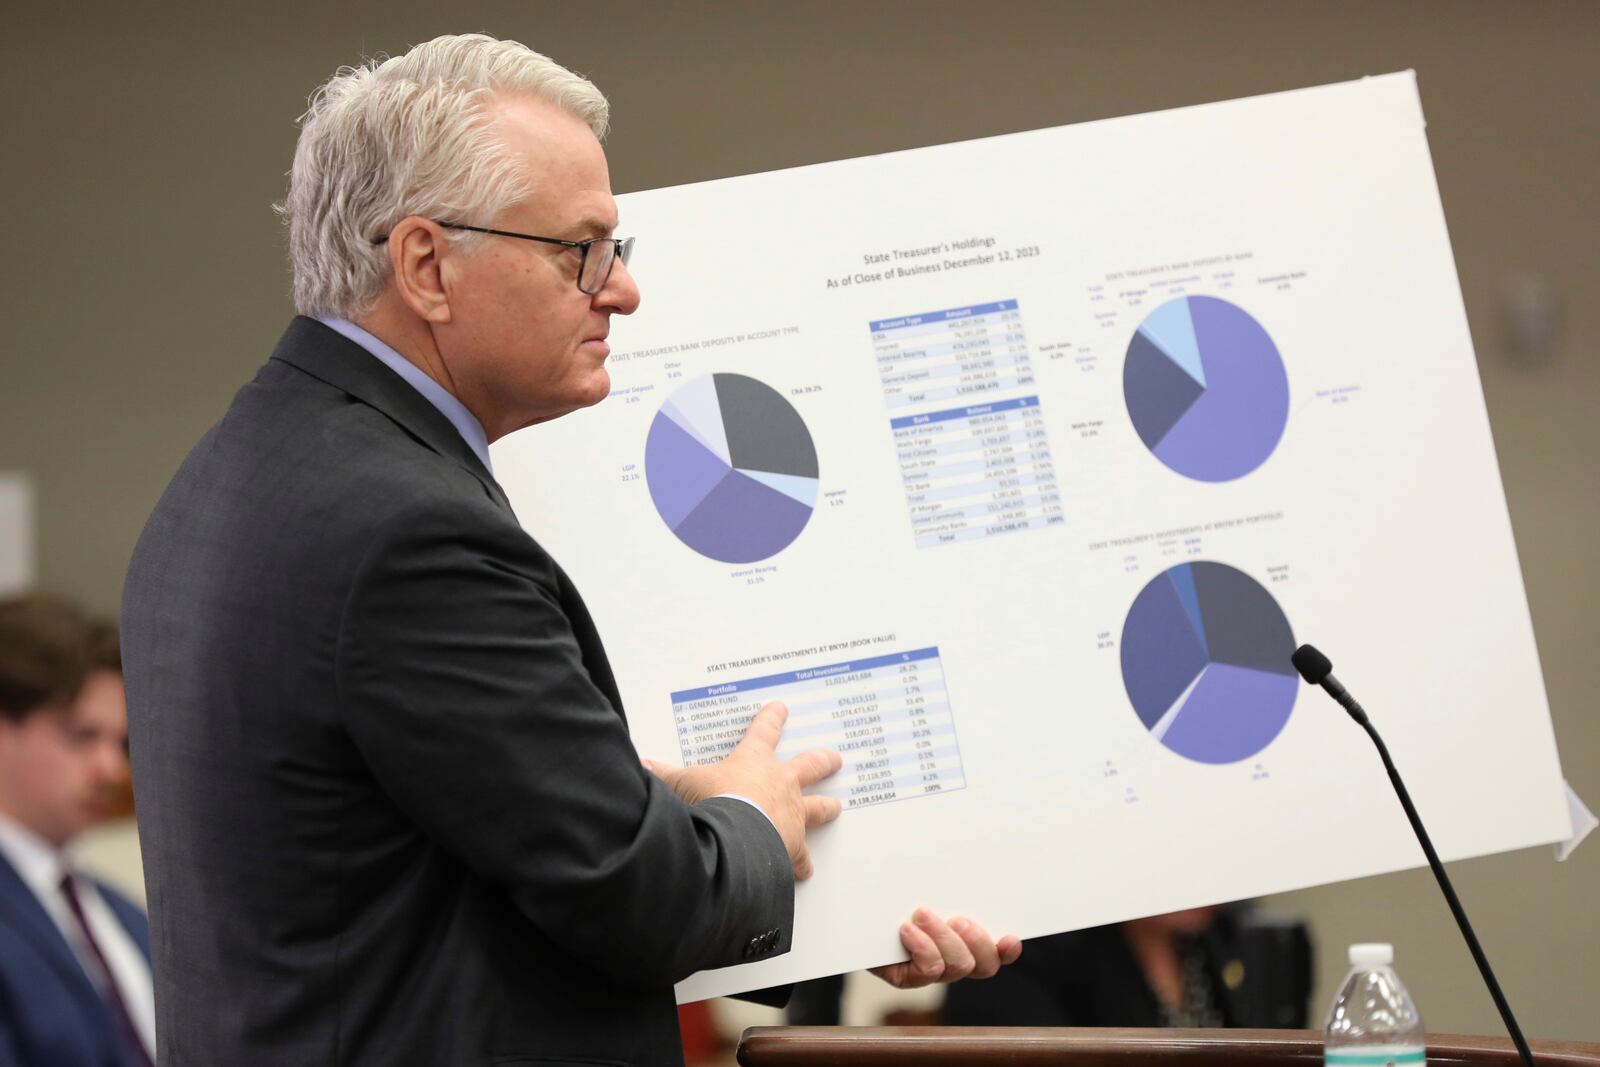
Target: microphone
1317,669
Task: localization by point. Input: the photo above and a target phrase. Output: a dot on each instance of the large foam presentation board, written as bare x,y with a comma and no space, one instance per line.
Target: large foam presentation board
1018,467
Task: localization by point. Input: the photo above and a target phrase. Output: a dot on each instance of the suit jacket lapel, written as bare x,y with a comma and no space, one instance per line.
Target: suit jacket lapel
22,910
335,359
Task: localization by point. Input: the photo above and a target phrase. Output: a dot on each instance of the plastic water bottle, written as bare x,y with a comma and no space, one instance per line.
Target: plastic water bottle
1373,1022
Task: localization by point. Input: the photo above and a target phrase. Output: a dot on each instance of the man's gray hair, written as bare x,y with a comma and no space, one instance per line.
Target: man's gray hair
411,135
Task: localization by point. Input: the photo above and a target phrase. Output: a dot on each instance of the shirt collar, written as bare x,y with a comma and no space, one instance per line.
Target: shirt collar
38,863
470,429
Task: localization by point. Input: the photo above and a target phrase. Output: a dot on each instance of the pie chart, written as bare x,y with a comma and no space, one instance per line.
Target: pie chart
1205,659
1206,388
731,468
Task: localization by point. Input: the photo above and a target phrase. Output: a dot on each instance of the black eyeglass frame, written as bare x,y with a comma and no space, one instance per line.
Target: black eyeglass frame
622,248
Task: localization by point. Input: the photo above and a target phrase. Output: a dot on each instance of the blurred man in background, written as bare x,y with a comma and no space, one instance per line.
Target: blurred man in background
74,956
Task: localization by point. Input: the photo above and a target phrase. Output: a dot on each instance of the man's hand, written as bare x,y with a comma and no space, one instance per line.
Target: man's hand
755,773
947,952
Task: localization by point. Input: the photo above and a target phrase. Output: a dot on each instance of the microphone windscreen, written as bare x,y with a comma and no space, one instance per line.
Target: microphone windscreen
1312,665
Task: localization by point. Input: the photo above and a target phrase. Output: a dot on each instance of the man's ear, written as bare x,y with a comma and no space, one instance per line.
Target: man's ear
416,246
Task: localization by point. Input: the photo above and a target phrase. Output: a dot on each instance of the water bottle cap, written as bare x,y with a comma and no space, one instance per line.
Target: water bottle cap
1374,954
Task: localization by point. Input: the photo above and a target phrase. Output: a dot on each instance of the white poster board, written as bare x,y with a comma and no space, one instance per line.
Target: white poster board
16,533
1018,467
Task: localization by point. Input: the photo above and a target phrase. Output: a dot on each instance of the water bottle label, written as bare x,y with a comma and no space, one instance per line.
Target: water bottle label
1376,1056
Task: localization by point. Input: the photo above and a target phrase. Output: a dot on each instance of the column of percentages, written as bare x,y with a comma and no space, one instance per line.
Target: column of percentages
956,353
977,471
888,716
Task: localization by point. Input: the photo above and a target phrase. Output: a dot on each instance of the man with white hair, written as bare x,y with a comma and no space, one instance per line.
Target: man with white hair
390,811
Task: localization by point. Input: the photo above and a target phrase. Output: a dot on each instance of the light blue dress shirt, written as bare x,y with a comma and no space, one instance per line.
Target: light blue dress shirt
470,429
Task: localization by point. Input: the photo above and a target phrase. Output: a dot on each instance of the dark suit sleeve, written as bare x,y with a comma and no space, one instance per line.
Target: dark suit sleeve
463,687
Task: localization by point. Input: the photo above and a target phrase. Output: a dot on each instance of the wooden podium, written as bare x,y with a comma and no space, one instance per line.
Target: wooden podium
976,1046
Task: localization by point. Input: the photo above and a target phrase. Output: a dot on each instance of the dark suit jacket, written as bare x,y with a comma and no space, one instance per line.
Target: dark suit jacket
390,811
51,1015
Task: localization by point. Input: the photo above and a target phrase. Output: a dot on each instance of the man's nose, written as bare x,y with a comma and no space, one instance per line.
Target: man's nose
111,762
620,294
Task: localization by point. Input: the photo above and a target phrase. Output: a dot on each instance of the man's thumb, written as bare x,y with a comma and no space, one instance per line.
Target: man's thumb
667,772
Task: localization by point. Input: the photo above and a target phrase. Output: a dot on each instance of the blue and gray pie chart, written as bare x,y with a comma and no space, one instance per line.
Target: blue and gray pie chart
1205,659
731,467
1206,388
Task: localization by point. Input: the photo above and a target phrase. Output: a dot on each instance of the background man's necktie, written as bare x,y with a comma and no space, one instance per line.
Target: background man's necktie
109,991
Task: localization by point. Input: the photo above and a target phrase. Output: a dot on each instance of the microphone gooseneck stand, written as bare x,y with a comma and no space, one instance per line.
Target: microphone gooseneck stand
1317,669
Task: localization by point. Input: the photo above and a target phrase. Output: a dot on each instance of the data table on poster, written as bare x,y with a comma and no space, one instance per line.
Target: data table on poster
977,471
955,353
888,716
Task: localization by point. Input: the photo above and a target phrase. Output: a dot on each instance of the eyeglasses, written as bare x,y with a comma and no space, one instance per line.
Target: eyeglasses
593,270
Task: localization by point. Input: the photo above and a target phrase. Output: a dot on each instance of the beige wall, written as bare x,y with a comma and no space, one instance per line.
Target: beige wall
144,279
